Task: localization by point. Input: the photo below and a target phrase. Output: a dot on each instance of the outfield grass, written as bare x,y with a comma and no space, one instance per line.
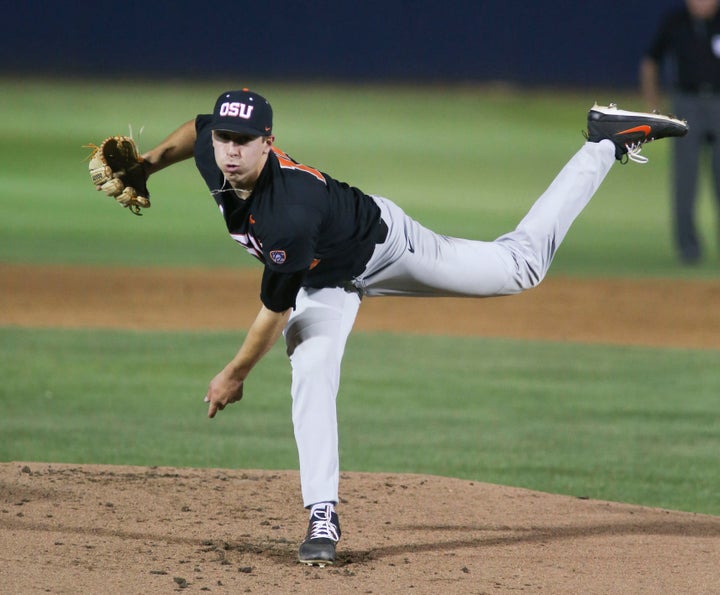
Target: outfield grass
466,161
623,424
627,424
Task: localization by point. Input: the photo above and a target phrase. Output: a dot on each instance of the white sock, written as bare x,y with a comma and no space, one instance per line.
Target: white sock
322,505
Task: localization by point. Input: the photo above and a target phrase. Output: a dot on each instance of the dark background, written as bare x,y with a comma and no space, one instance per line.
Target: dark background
565,42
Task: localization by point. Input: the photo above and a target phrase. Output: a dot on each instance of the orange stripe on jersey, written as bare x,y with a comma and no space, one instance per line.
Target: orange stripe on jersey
287,162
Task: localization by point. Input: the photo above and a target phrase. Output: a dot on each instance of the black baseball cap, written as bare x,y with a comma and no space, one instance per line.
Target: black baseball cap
243,111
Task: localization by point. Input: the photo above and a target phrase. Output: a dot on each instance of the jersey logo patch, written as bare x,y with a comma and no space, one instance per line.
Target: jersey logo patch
278,256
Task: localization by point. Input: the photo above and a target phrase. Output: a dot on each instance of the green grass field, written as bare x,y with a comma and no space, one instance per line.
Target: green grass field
627,424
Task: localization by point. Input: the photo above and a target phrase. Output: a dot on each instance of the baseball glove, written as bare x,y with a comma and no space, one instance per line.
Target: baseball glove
117,168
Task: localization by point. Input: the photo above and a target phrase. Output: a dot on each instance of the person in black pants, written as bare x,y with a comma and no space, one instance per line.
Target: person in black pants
686,52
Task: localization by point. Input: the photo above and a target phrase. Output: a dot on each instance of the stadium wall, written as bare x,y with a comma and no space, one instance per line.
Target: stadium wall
564,42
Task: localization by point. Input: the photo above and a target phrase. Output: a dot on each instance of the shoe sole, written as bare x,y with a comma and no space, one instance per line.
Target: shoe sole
613,111
319,563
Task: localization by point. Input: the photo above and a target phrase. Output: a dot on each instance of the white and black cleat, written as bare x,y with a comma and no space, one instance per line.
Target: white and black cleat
629,131
323,533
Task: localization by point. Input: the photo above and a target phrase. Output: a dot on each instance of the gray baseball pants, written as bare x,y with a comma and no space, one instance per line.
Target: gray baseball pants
415,261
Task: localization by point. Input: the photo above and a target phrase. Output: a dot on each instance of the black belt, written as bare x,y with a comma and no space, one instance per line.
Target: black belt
381,231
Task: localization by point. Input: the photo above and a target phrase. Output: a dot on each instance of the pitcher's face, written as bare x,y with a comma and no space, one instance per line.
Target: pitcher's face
240,157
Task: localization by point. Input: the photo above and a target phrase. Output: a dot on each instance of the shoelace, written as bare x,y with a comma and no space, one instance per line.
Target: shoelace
322,525
324,529
633,152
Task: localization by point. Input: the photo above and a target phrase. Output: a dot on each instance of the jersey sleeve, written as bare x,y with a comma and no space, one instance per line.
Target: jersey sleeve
294,247
203,130
278,291
289,254
204,155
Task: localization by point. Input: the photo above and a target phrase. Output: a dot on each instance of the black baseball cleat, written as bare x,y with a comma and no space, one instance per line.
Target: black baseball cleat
323,533
630,130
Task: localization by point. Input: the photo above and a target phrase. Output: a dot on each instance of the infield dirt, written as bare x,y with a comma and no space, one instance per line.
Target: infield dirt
103,529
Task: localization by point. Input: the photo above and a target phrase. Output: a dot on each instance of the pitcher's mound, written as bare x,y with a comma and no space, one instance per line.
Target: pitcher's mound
104,529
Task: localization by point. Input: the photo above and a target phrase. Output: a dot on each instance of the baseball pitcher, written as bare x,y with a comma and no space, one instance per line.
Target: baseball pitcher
326,245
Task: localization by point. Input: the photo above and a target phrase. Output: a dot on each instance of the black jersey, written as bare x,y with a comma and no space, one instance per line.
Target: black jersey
307,228
694,46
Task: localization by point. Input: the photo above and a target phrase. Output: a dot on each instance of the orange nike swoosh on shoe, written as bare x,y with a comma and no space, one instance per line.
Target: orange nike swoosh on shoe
644,128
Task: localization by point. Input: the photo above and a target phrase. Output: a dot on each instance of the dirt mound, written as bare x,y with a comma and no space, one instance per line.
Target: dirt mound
97,529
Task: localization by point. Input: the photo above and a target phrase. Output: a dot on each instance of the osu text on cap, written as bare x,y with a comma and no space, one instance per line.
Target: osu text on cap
236,109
